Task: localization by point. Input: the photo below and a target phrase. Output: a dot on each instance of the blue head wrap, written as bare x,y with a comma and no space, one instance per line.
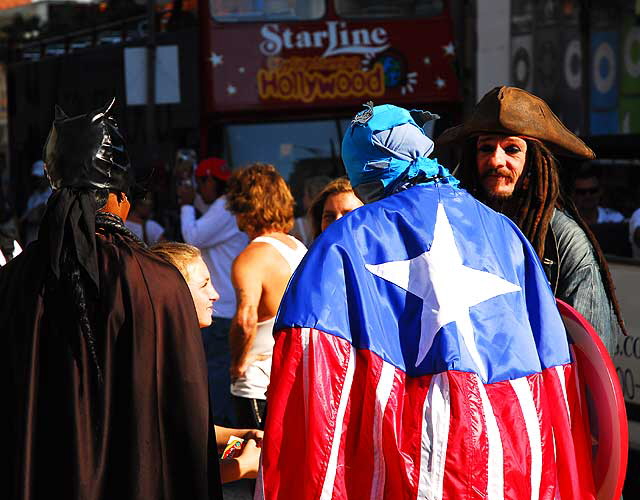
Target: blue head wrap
385,144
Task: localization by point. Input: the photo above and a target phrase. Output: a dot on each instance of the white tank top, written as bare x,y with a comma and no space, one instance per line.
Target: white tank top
256,380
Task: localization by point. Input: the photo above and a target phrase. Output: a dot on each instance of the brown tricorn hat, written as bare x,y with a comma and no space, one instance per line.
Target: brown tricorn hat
513,111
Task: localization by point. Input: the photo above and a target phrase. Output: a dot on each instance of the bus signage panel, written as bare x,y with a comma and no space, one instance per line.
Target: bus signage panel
334,63
336,39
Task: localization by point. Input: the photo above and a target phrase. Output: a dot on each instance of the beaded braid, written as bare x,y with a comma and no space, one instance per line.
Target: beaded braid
75,284
72,277
112,223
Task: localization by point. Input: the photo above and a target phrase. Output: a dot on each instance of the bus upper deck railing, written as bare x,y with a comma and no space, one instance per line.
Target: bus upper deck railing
127,30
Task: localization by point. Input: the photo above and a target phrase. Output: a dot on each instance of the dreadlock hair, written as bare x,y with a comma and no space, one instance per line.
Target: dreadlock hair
536,195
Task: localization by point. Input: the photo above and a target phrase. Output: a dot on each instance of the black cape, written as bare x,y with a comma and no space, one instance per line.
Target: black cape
145,432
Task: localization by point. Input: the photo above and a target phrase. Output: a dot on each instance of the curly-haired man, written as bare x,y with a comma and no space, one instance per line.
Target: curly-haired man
260,199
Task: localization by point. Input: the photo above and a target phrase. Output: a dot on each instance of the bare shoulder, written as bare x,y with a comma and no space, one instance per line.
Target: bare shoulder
253,254
259,252
251,262
259,256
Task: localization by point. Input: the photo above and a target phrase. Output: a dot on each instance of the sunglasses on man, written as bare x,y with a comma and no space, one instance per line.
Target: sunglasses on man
583,191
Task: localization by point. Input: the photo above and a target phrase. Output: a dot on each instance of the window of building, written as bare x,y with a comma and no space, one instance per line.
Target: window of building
388,8
266,10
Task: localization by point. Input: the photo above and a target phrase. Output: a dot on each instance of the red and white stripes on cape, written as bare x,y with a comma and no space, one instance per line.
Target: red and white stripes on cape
344,424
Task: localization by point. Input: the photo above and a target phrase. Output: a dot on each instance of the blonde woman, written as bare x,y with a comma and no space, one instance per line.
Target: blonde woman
189,262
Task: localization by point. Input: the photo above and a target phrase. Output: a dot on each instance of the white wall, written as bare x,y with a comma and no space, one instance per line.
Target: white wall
626,278
493,32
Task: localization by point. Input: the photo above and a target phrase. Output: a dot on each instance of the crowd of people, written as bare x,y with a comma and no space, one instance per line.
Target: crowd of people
134,361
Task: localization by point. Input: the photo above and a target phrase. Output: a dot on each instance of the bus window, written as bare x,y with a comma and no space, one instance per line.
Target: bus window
298,150
263,10
288,145
388,8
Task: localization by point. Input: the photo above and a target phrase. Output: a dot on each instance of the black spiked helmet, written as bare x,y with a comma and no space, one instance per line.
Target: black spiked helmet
82,154
87,152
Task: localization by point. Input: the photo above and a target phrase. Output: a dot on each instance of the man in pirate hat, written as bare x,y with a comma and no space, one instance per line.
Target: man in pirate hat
104,377
509,143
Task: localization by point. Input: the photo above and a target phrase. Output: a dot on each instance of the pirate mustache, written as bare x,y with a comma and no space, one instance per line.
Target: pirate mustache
499,172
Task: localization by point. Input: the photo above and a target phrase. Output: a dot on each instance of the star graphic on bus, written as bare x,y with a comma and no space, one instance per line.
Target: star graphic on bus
411,81
427,60
231,89
449,49
216,59
440,83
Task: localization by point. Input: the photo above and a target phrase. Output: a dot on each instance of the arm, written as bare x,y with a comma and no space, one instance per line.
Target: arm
584,290
215,226
244,465
580,282
224,433
246,277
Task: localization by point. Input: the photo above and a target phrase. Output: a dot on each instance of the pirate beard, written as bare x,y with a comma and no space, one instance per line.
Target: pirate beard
498,201
501,202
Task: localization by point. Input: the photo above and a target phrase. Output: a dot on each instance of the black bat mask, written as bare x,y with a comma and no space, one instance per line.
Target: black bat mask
87,152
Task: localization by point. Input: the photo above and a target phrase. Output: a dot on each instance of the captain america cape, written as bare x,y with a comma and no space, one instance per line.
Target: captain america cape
419,354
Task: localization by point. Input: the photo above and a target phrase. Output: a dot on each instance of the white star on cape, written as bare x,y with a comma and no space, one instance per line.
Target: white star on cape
447,288
231,89
440,83
216,59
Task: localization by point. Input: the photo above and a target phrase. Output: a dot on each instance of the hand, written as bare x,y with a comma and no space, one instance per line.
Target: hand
249,460
256,434
186,195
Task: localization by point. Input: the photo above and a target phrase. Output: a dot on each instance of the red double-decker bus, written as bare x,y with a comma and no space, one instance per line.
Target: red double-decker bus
265,80
280,79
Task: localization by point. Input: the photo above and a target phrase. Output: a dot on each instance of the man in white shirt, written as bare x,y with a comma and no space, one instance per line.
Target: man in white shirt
220,241
587,193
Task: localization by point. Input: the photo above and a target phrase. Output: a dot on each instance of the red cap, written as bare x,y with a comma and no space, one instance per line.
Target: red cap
214,167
